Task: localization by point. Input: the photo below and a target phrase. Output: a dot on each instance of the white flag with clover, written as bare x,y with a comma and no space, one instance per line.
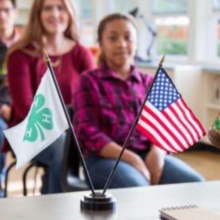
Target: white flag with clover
45,122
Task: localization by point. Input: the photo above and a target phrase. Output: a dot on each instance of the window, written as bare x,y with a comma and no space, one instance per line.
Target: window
216,5
218,37
172,35
85,14
216,10
172,24
169,6
121,6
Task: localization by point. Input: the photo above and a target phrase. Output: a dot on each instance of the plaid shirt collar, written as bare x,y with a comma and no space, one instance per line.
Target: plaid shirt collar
106,72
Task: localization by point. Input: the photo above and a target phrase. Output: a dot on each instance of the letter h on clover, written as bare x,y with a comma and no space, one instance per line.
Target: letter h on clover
40,119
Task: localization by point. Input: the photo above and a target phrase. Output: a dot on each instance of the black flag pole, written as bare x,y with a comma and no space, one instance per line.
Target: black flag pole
94,201
131,130
47,60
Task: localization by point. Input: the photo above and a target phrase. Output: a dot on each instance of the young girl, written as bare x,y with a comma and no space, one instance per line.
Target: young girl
51,26
106,103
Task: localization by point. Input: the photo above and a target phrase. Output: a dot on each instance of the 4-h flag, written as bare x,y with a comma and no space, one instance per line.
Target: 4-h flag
166,119
45,122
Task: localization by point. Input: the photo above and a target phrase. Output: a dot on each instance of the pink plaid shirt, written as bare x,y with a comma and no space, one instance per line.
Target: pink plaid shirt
105,108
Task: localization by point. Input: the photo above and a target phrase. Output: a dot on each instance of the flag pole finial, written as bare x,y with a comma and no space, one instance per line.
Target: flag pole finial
161,61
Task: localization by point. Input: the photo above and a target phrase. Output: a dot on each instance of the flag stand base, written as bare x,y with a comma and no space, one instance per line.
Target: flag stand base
99,202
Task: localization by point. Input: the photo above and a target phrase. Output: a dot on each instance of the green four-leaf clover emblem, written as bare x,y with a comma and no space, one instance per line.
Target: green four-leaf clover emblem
40,118
216,124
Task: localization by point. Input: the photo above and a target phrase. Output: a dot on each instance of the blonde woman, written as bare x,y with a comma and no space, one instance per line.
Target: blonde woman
51,26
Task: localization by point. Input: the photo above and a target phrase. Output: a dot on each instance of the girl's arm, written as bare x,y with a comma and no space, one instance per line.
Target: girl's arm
155,163
112,150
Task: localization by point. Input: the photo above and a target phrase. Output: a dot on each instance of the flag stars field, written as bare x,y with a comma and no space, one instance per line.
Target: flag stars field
166,119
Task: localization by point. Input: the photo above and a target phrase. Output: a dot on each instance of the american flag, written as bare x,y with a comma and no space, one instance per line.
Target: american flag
166,119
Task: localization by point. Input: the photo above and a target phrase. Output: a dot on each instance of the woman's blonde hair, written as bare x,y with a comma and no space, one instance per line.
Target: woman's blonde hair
34,31
103,23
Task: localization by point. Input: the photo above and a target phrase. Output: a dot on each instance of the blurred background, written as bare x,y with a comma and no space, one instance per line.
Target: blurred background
188,32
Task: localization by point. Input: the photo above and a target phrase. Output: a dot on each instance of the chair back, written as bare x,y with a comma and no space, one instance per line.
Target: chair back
71,180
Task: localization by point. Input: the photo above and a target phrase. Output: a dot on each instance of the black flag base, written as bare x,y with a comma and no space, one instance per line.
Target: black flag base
98,202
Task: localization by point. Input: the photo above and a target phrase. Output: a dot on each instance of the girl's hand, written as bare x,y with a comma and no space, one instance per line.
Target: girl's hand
139,164
155,163
5,112
112,150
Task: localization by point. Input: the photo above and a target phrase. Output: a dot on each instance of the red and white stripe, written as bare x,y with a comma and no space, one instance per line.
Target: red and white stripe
174,129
